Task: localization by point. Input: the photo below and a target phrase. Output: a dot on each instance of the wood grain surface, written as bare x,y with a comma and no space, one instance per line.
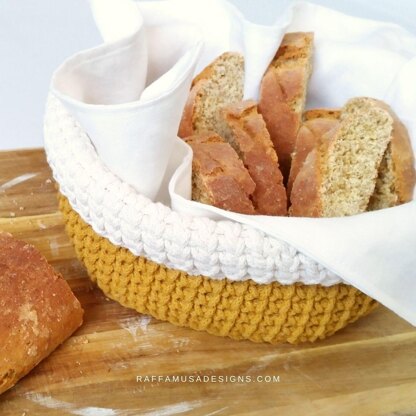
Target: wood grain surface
369,368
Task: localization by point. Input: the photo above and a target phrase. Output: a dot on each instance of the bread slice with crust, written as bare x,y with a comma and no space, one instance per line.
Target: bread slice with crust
338,177
283,94
397,177
219,178
245,130
316,123
219,84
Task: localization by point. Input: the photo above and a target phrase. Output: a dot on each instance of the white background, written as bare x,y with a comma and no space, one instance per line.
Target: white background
37,35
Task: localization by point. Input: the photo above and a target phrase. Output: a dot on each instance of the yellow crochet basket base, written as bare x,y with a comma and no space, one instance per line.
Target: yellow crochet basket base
271,313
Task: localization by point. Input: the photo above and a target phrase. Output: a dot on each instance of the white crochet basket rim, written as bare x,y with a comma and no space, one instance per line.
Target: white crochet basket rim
195,245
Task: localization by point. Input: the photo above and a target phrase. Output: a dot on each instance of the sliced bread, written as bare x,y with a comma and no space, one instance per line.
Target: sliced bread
245,130
338,177
219,178
316,123
283,94
219,84
397,177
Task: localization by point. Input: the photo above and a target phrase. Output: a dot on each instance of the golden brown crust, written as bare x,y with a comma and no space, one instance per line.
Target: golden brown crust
327,113
219,177
251,140
209,70
317,123
404,163
305,198
402,157
282,122
294,45
283,93
186,127
38,311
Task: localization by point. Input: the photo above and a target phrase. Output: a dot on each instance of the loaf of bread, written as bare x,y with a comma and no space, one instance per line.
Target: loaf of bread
283,94
316,123
219,84
339,176
38,311
245,130
219,177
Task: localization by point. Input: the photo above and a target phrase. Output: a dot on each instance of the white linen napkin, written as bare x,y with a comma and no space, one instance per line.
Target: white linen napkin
127,99
128,95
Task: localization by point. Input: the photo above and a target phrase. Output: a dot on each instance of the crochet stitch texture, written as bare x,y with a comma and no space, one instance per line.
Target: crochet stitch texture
196,245
271,312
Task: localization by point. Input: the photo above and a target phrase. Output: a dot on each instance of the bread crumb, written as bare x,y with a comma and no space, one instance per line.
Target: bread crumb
32,351
82,340
28,314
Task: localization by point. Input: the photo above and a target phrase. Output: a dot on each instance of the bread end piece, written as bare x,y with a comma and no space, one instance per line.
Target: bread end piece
38,310
397,177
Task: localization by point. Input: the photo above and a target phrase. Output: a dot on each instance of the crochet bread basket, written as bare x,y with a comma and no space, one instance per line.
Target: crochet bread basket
219,276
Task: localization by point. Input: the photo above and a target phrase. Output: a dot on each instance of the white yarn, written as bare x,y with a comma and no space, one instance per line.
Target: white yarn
216,249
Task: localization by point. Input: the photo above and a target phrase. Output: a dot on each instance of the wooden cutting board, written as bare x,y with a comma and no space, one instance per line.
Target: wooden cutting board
369,368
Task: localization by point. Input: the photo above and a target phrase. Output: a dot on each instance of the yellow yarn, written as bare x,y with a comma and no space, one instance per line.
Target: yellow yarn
241,310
